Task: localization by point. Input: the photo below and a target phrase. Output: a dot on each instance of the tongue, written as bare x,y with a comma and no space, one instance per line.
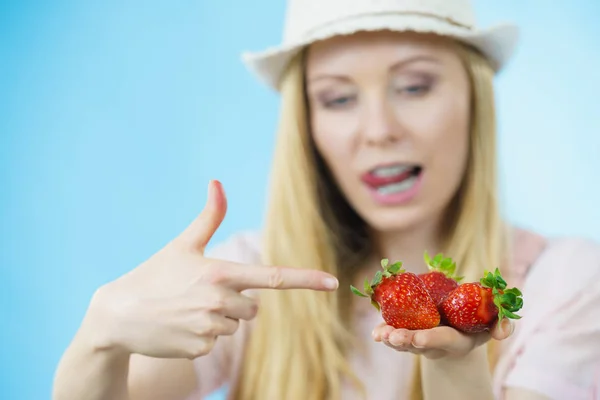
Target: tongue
377,181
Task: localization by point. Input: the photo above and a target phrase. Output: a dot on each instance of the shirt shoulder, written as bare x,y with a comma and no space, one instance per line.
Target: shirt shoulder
566,262
554,349
565,268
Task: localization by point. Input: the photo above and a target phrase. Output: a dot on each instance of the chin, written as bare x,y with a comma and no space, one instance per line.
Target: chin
425,209
404,209
396,219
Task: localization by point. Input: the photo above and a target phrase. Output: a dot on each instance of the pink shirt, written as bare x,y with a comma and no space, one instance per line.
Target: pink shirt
555,349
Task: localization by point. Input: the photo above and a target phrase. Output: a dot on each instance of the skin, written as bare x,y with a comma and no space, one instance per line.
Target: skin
142,330
410,106
191,300
379,98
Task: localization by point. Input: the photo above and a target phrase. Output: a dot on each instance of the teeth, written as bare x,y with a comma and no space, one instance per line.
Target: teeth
385,172
394,188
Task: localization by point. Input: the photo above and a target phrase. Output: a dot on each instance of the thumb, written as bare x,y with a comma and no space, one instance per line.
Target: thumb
197,235
503,329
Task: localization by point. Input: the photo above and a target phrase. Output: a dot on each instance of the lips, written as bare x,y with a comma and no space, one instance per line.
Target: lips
390,174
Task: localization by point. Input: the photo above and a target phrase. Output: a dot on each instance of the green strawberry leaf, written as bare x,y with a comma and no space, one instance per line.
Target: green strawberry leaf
442,264
387,271
493,280
488,280
508,301
500,281
508,298
374,303
391,269
377,279
503,313
395,267
367,286
357,292
427,258
514,291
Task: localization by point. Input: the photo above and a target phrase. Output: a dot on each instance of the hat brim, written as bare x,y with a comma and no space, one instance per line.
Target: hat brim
497,43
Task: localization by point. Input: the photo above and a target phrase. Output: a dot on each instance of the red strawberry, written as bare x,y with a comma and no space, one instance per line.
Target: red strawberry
401,297
475,307
440,280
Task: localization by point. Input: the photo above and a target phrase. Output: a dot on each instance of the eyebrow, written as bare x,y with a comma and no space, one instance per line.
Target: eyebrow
396,66
426,58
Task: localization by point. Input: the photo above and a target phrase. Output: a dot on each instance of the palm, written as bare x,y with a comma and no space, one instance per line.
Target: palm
438,342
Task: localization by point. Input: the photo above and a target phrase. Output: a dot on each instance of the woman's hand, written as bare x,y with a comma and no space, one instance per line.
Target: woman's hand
178,302
439,342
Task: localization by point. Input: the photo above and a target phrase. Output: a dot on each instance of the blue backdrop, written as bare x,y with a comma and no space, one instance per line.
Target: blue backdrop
114,116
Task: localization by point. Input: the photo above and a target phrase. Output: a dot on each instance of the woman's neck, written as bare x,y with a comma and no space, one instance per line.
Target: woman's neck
408,246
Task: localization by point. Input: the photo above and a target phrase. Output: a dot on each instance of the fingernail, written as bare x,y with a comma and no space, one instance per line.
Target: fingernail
417,341
331,283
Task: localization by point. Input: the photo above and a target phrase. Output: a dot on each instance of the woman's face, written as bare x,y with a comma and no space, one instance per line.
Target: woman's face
390,117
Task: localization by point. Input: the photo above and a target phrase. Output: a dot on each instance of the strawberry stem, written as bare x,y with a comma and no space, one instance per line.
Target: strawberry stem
388,271
508,301
442,264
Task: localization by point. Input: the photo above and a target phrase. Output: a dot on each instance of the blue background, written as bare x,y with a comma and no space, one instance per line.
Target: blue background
114,116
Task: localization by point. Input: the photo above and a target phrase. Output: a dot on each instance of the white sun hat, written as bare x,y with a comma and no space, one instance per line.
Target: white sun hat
307,21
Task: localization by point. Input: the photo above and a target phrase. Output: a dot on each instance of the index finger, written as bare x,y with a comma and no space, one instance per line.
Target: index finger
242,277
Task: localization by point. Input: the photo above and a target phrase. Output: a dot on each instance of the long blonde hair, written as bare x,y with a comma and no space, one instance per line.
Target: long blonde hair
298,348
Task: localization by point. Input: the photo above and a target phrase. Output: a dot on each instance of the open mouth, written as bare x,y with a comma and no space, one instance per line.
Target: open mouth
392,179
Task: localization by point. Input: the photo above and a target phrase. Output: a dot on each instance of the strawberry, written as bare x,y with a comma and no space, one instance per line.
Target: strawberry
477,306
440,280
401,297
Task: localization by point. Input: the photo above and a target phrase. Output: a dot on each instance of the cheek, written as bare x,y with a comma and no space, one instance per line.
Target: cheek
336,139
441,131
452,144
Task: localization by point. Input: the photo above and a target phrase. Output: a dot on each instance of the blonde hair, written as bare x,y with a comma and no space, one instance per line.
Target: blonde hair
299,345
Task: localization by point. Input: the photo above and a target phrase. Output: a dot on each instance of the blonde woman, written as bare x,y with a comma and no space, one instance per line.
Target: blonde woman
386,148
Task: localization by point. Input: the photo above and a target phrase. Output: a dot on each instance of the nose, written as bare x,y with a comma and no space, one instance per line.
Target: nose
379,124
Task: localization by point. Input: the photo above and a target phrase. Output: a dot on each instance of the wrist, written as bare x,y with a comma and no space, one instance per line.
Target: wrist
97,330
467,375
474,360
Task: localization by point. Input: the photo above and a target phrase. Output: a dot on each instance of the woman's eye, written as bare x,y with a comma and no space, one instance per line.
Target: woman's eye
339,102
414,89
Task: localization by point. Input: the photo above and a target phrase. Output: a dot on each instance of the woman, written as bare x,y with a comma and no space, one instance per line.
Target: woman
386,148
